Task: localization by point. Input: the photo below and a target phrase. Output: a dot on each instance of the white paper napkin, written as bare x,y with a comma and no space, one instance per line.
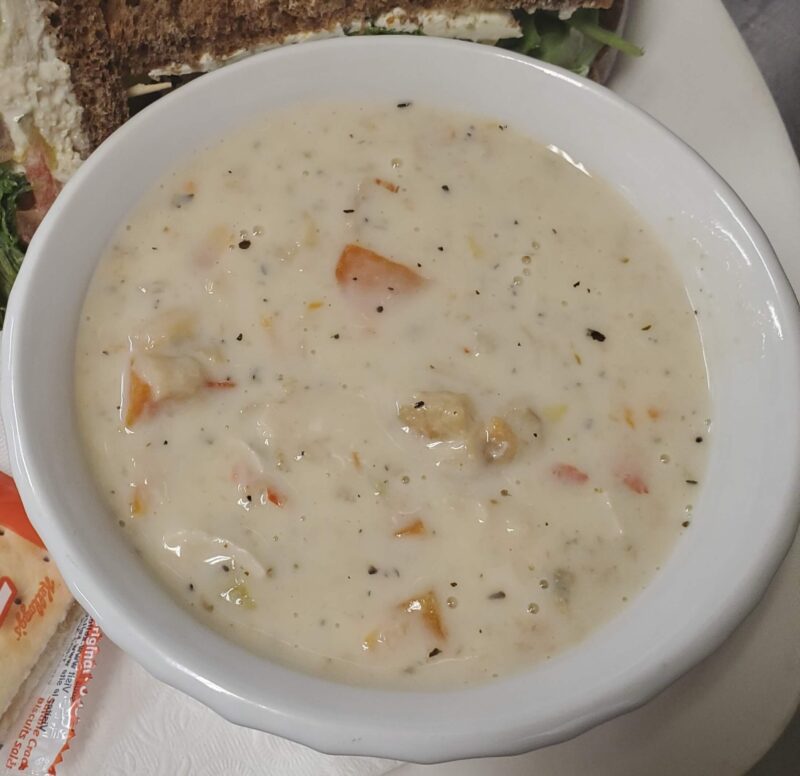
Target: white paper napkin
129,719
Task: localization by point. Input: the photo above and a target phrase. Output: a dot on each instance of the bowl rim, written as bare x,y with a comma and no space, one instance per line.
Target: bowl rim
153,652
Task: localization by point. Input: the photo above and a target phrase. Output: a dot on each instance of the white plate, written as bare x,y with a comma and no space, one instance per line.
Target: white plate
720,718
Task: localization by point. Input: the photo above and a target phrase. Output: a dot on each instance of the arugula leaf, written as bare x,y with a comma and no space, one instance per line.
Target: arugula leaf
572,43
12,186
587,22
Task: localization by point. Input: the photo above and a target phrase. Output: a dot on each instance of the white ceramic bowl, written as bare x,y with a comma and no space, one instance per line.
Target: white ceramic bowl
745,515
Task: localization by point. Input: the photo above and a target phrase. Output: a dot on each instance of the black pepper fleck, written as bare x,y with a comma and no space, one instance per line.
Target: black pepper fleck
596,335
434,652
379,308
497,596
445,187
239,337
419,404
372,570
244,244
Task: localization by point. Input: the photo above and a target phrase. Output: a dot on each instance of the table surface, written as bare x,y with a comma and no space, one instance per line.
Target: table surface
771,29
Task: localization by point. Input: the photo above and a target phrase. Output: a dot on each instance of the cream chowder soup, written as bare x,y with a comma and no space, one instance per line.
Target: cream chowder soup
391,395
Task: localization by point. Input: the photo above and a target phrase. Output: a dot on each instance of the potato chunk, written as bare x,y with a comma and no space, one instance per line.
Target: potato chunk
442,416
170,377
500,443
505,436
171,327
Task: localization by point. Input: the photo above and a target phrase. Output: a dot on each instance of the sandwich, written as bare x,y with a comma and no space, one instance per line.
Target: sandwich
72,71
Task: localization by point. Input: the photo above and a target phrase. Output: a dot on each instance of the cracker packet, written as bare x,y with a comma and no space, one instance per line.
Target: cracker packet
48,648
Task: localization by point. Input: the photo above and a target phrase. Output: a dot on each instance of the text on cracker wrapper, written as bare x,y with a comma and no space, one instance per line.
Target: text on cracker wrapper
37,606
44,727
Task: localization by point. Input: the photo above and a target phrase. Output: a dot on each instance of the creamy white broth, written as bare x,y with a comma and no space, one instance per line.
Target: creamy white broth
442,475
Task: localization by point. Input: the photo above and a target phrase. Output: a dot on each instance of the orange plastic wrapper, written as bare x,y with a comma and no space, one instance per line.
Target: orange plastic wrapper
48,648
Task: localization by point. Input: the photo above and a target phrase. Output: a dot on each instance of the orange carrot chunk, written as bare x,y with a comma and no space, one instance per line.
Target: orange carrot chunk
428,607
220,384
139,398
361,268
417,528
388,185
635,483
137,502
568,473
276,497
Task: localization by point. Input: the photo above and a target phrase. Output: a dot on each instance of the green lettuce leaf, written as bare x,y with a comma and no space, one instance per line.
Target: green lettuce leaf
12,186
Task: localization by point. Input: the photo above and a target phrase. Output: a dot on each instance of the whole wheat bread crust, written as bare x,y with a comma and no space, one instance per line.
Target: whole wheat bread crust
148,34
